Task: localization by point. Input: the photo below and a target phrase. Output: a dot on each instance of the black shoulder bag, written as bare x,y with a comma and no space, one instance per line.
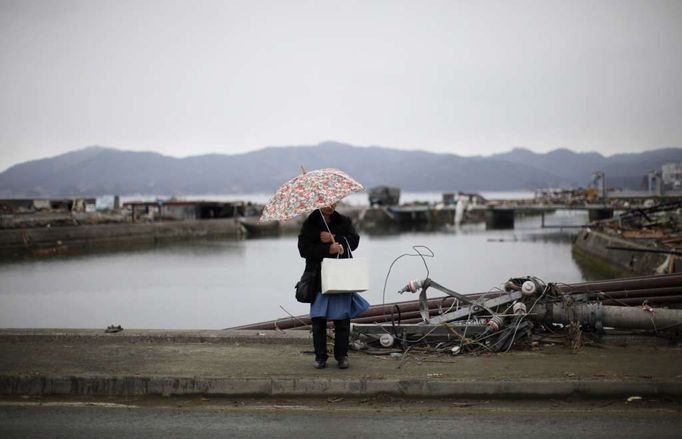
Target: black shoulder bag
305,288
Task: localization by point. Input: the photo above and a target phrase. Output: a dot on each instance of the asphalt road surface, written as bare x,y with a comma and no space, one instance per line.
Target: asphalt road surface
338,418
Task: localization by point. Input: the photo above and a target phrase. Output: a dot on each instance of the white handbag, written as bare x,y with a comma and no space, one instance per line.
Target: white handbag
345,275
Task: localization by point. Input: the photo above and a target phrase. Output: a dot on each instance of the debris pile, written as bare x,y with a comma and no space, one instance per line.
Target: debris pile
639,241
526,312
662,222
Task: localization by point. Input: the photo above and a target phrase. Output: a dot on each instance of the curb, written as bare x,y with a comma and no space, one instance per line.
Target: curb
305,387
154,336
225,336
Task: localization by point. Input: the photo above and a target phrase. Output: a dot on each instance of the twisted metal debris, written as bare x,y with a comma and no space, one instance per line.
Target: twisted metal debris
526,312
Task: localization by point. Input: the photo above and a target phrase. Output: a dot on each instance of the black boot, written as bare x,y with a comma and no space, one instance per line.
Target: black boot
320,341
341,339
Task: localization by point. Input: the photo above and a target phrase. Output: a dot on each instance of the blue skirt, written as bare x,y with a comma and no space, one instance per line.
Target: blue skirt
338,306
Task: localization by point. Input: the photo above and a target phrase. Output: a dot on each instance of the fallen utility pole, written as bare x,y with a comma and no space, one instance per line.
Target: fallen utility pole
597,315
661,289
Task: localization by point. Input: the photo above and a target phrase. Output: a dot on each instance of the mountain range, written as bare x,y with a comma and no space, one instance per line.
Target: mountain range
97,170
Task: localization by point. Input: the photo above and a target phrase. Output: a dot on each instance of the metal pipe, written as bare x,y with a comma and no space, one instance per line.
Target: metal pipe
413,305
284,323
651,292
617,286
611,316
375,313
633,283
640,300
386,317
402,316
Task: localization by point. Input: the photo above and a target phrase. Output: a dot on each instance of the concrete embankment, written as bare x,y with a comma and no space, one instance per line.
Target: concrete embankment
597,248
46,241
275,363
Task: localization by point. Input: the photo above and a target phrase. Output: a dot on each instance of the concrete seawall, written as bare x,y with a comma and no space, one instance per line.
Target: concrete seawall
47,241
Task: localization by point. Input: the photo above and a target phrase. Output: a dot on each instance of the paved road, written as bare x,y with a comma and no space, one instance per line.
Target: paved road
336,418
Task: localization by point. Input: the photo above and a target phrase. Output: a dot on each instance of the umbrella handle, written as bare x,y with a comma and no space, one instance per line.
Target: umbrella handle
325,224
328,229
333,241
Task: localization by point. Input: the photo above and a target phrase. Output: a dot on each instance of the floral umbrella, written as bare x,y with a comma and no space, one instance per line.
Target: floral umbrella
307,192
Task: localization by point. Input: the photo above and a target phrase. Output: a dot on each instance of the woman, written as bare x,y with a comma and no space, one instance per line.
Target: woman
328,234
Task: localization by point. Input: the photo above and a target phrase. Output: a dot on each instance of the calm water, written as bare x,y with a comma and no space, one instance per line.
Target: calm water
222,283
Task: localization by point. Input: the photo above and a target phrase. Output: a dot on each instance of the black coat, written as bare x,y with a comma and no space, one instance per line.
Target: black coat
313,250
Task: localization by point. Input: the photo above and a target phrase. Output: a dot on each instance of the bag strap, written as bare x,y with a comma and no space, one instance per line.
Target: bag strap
348,247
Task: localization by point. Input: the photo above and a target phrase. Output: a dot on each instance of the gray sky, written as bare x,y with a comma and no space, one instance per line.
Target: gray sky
466,77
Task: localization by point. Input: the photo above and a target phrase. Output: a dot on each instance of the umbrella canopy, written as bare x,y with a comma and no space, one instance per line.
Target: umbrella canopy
307,192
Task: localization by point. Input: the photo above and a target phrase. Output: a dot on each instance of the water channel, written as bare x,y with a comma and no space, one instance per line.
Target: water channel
223,283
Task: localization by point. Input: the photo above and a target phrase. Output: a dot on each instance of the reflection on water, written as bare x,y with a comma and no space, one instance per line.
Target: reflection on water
223,283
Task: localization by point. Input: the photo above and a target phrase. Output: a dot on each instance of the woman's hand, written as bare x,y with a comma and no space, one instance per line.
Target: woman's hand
336,248
326,237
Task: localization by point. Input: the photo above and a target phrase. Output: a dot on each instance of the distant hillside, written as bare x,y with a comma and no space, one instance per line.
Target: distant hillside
96,170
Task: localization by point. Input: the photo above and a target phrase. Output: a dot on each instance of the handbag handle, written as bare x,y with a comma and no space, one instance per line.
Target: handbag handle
348,247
